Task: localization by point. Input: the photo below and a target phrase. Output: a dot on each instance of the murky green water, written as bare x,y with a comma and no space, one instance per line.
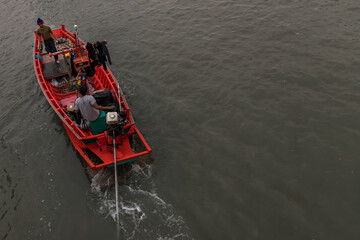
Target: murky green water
251,109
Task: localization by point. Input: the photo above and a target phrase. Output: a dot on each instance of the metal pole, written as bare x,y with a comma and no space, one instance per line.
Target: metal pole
119,97
76,35
116,181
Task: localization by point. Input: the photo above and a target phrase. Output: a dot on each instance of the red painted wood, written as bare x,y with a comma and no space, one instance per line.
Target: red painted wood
102,79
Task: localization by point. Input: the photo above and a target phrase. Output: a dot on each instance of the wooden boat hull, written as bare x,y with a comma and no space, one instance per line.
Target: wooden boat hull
95,149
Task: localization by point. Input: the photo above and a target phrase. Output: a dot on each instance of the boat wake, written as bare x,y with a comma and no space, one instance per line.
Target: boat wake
142,213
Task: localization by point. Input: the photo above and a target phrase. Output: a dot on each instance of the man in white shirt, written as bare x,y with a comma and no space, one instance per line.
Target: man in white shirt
87,105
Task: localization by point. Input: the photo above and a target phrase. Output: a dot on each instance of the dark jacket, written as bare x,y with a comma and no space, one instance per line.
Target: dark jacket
90,50
105,51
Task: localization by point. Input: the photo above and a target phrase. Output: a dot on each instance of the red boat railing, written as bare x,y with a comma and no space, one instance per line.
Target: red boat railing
105,79
103,76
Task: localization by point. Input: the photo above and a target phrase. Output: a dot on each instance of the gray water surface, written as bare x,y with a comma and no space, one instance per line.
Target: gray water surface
251,109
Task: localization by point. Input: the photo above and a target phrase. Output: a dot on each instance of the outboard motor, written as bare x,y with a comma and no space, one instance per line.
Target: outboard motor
116,123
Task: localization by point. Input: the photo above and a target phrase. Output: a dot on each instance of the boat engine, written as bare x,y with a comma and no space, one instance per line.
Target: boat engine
115,123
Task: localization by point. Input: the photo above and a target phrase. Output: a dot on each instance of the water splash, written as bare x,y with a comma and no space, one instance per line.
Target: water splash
142,212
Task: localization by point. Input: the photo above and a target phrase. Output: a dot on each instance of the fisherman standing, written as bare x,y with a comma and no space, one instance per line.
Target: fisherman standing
48,36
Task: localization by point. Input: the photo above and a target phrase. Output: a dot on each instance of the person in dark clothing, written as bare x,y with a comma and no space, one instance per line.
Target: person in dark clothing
48,36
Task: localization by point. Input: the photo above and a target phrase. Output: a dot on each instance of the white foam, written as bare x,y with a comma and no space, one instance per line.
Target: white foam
152,195
139,204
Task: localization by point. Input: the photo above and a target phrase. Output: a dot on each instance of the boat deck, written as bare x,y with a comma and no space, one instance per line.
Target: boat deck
96,149
53,70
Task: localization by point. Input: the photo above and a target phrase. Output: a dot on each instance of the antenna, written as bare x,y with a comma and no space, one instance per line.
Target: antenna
76,35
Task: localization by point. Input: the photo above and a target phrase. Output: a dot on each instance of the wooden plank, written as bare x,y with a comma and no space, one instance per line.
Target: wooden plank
54,70
48,59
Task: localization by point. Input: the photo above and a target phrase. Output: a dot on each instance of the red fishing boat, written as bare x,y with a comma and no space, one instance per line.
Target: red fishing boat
113,137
